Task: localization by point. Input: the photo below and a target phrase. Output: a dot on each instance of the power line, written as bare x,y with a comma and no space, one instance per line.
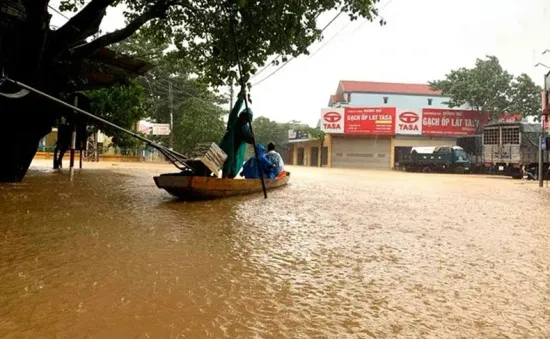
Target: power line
359,27
282,66
177,89
364,22
328,41
58,12
269,64
291,58
266,67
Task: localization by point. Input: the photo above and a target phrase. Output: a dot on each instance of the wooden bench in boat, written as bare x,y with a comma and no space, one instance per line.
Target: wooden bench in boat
206,159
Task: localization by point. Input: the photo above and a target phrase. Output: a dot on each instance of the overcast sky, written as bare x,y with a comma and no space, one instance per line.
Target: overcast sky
422,41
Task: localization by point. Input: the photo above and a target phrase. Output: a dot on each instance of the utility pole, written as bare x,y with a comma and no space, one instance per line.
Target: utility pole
544,124
171,99
541,161
73,141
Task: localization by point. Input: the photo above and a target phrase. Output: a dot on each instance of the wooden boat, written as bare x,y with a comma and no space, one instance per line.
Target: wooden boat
188,187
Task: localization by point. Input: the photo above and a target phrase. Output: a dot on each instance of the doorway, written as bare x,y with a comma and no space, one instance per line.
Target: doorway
300,159
314,162
324,157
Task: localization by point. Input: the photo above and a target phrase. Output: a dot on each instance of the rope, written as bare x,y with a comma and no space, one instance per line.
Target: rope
17,95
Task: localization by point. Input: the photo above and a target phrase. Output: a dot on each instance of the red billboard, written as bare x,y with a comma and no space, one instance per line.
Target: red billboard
510,118
451,122
369,120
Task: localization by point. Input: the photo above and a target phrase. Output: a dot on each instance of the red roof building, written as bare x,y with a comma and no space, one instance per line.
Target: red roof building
346,88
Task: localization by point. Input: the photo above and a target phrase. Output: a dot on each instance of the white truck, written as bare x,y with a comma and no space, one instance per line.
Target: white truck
508,146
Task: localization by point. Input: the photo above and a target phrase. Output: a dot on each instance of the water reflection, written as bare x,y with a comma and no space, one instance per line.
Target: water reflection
336,254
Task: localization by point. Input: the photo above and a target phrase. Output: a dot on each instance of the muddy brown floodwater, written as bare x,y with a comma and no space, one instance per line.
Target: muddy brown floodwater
337,254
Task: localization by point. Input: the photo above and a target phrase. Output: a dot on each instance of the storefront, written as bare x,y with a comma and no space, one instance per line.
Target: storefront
310,153
375,137
361,152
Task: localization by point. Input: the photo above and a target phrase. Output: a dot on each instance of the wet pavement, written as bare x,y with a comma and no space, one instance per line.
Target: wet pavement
336,254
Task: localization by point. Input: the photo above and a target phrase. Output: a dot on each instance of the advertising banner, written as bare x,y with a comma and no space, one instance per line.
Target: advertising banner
161,129
441,122
409,122
510,118
369,120
332,120
295,135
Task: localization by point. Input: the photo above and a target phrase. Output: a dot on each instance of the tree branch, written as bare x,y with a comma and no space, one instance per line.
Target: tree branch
156,11
84,24
37,12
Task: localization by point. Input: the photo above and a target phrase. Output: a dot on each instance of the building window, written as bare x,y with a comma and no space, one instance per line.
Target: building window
385,100
430,101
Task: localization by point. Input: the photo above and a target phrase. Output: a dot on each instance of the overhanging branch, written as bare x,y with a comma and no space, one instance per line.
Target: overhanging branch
84,24
156,11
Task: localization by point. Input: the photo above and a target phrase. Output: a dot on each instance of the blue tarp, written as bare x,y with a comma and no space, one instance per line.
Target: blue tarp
250,167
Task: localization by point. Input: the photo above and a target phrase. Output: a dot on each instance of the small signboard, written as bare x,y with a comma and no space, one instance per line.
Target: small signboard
161,129
297,135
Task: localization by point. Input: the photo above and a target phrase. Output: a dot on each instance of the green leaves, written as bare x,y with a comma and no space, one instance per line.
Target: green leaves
200,30
315,133
123,106
487,87
525,96
266,131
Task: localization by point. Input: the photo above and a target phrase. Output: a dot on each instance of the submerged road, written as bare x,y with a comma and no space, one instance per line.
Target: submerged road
337,254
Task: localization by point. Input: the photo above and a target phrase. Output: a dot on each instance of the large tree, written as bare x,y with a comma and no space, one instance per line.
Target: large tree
488,88
267,130
200,30
123,106
174,93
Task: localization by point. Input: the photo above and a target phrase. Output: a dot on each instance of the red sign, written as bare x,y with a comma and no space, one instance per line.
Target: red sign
332,117
370,120
408,117
437,121
510,118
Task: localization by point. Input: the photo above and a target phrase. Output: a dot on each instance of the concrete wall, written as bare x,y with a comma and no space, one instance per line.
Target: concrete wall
397,100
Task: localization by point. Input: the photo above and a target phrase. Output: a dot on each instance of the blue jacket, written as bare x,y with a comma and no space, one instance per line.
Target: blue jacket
250,167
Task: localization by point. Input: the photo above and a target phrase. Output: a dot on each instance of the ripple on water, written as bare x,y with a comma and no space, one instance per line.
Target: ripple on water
339,254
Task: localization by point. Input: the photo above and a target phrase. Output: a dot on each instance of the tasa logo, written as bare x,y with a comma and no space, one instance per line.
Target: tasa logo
331,121
408,117
332,117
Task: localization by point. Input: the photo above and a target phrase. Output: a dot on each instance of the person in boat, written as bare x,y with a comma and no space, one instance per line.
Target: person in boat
250,167
237,135
275,158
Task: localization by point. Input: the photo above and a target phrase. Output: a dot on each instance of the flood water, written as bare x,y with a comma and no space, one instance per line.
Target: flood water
337,254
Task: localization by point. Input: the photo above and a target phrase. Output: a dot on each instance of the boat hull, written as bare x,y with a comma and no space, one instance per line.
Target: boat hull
187,187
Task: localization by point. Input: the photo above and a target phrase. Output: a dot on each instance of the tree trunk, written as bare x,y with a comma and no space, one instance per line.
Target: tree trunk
25,127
